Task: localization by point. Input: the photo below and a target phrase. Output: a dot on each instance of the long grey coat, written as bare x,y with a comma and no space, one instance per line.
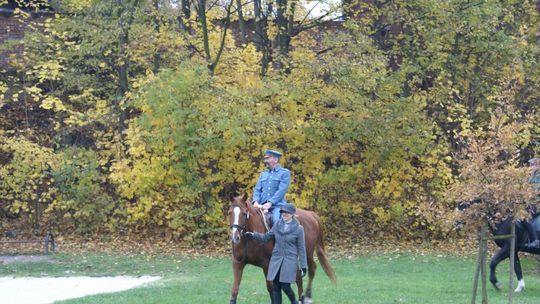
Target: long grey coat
289,249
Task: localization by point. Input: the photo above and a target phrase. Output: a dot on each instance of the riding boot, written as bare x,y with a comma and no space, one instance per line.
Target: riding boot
292,298
533,245
290,294
276,295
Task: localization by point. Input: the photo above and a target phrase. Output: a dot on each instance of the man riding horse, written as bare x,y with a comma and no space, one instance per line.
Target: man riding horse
273,183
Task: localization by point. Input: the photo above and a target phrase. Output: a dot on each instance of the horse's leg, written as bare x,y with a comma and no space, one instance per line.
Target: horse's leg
269,285
300,286
502,254
312,266
519,273
238,269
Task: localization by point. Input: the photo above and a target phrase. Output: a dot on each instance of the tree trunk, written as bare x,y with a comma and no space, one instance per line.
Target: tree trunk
184,18
122,70
241,22
261,33
157,55
201,14
512,258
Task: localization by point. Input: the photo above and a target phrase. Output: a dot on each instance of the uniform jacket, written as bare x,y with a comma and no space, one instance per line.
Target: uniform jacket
272,186
289,250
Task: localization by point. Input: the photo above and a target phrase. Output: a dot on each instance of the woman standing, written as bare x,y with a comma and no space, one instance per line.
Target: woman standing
289,250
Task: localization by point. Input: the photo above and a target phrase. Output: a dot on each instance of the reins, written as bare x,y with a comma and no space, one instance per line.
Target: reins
263,218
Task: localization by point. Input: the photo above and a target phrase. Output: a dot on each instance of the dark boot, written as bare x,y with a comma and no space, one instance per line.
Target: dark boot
276,295
290,293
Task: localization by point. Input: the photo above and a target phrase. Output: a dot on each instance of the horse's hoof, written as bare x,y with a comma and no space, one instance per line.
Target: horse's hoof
497,285
521,286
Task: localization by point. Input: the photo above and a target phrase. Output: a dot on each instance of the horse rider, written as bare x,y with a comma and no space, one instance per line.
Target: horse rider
289,250
534,243
273,183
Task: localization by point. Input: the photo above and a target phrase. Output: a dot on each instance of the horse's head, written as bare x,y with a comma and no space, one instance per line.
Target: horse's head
239,213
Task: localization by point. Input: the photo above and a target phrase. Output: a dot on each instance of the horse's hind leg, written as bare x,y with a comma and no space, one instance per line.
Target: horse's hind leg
502,254
307,297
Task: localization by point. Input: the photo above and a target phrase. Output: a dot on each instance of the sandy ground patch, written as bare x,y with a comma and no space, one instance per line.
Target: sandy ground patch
47,290
7,259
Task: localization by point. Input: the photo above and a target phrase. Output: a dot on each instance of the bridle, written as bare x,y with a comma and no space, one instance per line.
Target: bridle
242,230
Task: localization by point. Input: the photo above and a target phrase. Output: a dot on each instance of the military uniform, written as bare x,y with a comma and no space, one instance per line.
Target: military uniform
271,188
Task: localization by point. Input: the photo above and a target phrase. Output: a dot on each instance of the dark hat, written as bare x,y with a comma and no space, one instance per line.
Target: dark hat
288,208
273,153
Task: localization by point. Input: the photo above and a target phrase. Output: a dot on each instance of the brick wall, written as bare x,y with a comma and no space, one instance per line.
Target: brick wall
10,28
13,28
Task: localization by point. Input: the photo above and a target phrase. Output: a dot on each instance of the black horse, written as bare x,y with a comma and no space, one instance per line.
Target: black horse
522,238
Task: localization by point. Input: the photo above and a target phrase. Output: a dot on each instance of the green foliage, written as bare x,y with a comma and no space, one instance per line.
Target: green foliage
173,151
81,197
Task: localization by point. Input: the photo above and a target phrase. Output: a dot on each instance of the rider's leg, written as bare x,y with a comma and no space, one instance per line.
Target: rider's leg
275,214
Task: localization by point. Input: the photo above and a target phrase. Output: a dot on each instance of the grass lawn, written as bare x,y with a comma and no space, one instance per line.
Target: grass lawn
370,279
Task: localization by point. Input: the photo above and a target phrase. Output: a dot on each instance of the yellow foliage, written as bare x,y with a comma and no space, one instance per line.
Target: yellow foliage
381,215
52,103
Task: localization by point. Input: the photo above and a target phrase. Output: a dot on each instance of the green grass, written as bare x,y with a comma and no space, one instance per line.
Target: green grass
370,279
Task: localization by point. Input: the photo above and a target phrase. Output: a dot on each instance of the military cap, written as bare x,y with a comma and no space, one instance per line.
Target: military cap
273,153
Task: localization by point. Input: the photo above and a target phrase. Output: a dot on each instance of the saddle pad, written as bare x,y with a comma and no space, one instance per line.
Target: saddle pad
536,222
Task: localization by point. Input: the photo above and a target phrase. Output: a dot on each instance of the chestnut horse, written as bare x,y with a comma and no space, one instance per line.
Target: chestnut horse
244,217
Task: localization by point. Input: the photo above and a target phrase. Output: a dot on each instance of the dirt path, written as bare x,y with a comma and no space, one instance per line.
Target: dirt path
47,290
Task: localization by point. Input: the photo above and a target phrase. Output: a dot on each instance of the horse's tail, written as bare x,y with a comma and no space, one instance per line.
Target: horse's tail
321,254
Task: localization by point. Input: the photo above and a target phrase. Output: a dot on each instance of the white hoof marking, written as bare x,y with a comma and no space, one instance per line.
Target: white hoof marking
521,286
